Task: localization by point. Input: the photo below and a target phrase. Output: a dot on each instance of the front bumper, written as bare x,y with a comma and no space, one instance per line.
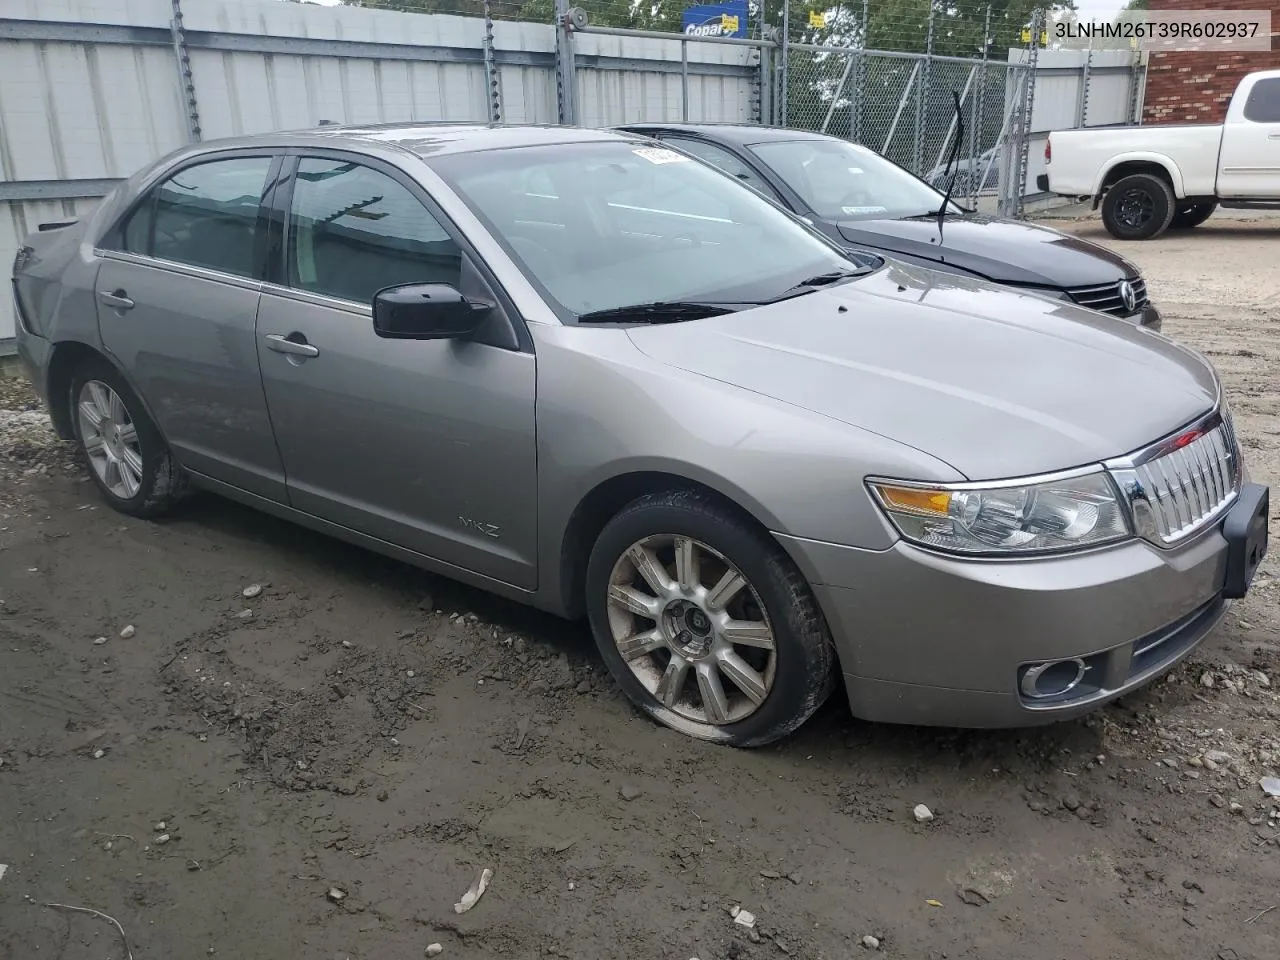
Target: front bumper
940,641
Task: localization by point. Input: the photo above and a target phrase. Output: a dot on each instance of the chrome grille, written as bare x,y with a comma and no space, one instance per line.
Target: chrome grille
1183,483
1107,297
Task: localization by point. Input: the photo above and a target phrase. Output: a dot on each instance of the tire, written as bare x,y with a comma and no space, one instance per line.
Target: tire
789,681
1138,207
128,460
1186,217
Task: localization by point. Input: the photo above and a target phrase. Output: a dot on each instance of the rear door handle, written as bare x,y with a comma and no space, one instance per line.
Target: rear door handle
295,348
116,299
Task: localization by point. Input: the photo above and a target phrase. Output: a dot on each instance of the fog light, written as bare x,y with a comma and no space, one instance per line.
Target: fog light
1053,679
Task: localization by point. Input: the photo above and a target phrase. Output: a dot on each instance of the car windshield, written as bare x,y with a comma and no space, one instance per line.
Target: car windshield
600,226
844,181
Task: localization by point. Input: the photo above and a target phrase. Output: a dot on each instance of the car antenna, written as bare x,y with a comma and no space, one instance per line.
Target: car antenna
952,163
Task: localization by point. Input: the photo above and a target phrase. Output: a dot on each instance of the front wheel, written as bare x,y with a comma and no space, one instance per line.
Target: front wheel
1138,207
1192,215
705,622
128,460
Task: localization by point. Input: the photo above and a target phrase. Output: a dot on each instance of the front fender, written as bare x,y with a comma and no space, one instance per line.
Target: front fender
606,410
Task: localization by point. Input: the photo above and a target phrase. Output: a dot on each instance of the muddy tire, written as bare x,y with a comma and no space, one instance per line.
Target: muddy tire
1192,215
127,459
705,622
1138,207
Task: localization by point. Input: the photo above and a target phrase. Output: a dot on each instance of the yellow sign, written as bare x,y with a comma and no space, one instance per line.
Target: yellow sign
728,24
1044,36
817,20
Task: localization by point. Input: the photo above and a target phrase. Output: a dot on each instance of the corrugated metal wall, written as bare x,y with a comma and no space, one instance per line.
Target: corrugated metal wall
89,89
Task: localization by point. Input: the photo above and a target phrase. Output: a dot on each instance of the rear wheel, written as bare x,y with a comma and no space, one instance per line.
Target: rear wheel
1192,215
705,622
128,460
1138,207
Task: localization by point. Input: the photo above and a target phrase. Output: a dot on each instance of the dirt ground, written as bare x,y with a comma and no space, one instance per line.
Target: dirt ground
321,770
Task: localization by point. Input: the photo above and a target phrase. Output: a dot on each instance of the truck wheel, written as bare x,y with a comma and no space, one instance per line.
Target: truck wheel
1138,207
706,623
1193,215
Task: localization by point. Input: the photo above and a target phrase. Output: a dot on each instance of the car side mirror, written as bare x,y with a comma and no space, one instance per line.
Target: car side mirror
426,311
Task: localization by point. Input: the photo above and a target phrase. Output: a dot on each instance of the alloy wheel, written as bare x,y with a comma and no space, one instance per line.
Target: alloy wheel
1136,208
692,629
110,439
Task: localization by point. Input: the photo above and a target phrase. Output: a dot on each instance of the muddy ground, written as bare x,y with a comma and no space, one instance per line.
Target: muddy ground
208,777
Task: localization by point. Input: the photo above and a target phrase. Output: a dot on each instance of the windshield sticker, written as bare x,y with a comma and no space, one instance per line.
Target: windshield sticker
660,155
853,211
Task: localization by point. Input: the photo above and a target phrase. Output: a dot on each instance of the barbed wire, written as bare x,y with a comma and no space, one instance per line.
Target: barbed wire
960,28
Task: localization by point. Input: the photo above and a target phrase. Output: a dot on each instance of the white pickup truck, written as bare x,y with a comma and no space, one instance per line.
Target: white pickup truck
1151,178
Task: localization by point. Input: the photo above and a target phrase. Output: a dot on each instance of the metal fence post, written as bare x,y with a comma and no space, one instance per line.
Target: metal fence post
764,85
856,105
1003,142
491,67
923,93
1022,131
566,75
185,76
979,116
1135,89
785,61
1086,75
684,79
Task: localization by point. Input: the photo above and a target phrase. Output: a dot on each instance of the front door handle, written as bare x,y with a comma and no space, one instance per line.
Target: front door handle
294,347
116,299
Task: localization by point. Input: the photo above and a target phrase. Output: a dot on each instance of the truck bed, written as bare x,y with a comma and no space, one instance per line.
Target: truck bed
1189,152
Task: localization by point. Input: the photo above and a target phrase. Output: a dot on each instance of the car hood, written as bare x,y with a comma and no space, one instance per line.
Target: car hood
1005,251
994,382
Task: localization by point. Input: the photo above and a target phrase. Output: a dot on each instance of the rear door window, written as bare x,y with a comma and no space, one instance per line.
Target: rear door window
203,216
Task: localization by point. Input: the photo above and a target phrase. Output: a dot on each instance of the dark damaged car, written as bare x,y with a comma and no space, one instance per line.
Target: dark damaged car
864,201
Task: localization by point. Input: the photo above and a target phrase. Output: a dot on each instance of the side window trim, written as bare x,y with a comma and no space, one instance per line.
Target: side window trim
112,239
282,203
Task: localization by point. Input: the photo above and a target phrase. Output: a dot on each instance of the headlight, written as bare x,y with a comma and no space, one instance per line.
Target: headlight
1006,518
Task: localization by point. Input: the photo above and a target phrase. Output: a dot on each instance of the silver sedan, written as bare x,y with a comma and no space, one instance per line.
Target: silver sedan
593,374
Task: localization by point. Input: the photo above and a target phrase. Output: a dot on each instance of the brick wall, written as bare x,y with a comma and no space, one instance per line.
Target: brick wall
1194,87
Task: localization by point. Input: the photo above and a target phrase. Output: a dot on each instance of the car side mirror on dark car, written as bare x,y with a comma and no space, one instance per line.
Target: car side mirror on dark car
426,311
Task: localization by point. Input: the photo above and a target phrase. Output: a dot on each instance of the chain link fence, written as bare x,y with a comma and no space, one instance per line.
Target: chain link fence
890,75
887,74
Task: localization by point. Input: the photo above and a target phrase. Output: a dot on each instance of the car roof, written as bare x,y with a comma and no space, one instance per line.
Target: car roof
739,134
427,139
